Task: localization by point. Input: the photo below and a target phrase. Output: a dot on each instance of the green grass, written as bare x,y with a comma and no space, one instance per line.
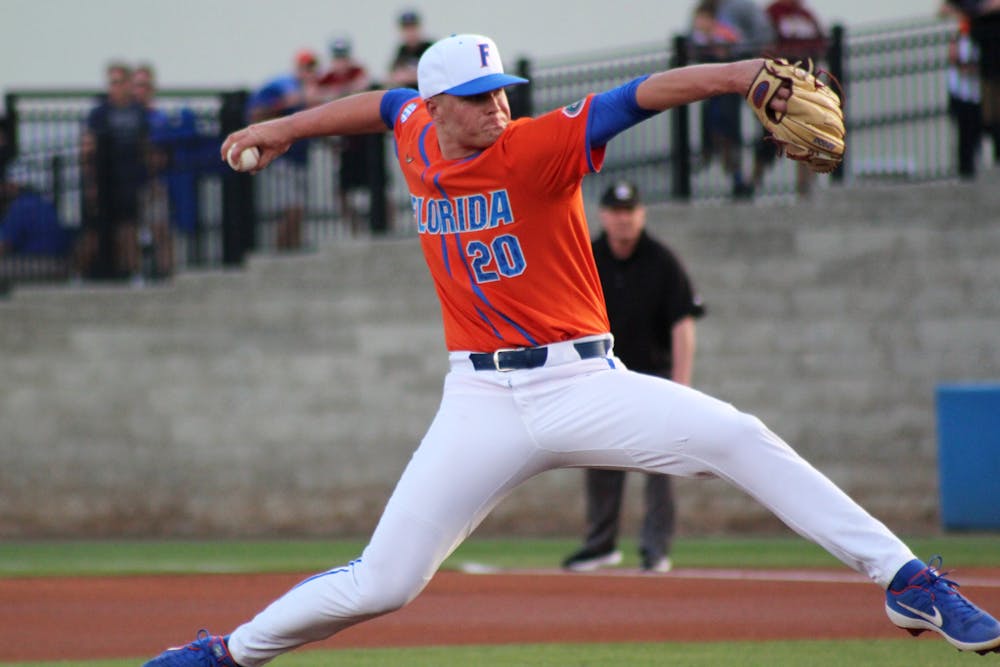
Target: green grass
54,558
884,653
64,558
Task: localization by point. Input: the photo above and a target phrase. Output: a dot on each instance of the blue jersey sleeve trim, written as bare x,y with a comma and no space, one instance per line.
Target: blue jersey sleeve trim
392,102
614,111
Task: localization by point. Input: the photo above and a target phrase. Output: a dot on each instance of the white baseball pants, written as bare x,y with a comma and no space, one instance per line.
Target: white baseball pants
494,430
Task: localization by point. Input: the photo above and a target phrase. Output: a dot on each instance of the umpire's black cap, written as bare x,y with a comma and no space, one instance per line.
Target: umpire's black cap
621,194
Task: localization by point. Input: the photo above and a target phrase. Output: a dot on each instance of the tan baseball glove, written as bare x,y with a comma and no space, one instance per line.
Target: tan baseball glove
812,129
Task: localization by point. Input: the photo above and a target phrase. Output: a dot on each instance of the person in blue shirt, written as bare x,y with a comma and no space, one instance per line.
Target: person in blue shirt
181,154
281,191
34,245
113,153
155,238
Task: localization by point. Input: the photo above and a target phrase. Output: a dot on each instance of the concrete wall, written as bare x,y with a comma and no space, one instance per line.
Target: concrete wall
287,397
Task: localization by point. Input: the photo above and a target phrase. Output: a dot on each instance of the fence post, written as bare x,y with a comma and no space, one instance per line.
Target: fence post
680,139
239,223
378,209
55,172
9,123
835,59
520,96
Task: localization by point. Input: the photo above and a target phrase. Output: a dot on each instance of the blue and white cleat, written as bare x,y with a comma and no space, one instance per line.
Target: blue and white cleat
205,651
928,601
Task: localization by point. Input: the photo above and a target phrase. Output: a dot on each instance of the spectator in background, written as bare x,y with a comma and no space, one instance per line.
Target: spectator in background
750,21
346,76
184,154
964,95
412,44
113,154
652,307
281,189
984,28
714,41
34,245
155,238
985,31
798,36
756,37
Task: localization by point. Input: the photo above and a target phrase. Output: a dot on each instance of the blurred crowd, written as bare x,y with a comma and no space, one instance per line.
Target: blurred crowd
141,157
725,30
138,166
282,189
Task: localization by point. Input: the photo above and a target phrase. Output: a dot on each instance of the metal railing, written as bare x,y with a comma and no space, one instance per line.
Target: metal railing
897,103
894,78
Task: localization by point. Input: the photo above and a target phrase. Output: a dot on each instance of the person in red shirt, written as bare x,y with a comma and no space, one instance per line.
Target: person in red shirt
534,383
343,76
798,36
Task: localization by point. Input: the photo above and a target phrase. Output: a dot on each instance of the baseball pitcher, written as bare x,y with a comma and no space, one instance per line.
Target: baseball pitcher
534,383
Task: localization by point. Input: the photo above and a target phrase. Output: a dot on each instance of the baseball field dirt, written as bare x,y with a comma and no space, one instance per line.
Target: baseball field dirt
108,617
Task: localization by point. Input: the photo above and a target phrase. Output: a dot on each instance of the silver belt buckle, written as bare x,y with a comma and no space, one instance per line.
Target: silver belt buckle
496,358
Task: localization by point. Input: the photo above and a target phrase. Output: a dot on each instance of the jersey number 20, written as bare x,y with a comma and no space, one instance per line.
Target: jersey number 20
502,257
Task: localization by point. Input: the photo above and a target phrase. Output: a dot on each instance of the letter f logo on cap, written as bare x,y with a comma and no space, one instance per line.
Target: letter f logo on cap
449,66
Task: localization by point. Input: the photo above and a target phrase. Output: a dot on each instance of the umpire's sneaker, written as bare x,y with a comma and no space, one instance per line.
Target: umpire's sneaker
920,598
588,560
205,651
651,563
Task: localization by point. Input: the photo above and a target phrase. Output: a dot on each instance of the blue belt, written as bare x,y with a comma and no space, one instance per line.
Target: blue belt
533,357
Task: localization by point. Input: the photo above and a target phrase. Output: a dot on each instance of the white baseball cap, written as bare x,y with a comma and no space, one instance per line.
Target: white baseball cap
462,65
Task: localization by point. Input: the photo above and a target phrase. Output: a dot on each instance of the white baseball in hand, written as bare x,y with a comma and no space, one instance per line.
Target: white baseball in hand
248,158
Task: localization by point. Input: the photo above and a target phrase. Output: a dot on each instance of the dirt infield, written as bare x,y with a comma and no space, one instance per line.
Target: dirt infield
109,617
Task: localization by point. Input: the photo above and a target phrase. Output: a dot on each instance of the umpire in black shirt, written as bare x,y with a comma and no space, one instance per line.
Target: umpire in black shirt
652,306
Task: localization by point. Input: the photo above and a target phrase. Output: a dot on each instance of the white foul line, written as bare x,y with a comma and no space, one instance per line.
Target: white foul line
806,576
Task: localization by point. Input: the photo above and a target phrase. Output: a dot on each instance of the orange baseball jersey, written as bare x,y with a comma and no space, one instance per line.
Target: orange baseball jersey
504,231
